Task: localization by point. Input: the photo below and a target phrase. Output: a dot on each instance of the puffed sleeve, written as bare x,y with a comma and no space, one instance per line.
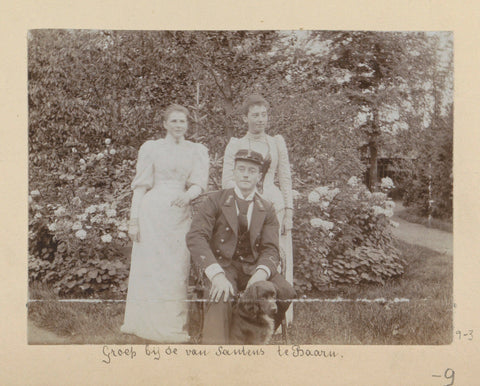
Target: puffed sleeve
145,169
228,163
201,164
284,174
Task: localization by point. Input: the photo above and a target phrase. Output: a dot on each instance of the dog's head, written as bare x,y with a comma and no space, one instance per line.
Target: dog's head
259,299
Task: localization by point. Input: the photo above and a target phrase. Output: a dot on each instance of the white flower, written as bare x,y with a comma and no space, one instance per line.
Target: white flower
76,226
123,227
389,204
387,183
102,206
122,235
311,160
35,193
108,141
332,193
295,194
82,217
91,209
319,223
331,160
52,227
325,204
38,215
353,181
112,151
82,161
355,196
322,190
327,225
111,212
96,219
80,234
74,150
106,238
377,210
30,199
60,211
331,234
313,197
99,156
76,201
388,212
379,195
394,224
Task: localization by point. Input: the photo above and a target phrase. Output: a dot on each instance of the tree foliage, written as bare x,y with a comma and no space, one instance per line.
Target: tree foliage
96,96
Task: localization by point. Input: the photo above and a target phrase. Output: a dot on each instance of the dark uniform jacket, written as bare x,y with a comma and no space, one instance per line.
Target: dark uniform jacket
213,234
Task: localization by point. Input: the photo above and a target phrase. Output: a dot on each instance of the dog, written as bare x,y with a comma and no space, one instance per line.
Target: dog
252,315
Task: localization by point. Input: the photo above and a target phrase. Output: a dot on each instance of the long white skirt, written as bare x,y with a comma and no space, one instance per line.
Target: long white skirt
156,307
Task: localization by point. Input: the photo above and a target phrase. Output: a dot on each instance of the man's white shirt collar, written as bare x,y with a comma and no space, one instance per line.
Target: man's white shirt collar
239,194
250,206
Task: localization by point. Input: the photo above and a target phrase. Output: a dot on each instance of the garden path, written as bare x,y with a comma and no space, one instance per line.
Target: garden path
38,335
417,234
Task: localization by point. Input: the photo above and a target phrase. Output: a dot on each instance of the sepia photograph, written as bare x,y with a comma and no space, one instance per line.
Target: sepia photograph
240,187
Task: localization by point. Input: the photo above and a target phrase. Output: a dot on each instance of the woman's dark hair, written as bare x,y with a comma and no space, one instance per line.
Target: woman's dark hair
253,100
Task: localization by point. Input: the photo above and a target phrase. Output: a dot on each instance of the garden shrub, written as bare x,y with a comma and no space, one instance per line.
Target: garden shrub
78,222
343,235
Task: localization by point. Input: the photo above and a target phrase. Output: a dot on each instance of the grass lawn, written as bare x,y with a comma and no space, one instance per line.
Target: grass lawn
425,319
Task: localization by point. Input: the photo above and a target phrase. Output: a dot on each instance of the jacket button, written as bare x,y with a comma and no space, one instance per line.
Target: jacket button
220,257
222,240
218,250
241,258
227,228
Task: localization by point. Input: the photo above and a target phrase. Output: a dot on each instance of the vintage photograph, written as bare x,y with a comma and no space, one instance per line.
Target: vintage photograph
240,187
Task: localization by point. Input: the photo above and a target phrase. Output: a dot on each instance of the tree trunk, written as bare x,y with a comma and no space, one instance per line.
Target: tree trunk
229,109
372,180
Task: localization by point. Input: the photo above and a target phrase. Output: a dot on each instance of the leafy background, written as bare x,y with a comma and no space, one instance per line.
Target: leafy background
340,99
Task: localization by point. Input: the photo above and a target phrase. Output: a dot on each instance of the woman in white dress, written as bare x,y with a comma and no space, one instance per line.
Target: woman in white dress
170,173
255,115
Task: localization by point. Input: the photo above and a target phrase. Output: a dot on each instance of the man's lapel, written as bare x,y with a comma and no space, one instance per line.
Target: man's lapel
256,223
230,211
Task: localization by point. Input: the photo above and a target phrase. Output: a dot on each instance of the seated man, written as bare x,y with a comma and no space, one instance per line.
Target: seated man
234,239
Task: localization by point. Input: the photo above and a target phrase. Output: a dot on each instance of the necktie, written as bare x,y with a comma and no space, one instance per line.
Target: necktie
242,214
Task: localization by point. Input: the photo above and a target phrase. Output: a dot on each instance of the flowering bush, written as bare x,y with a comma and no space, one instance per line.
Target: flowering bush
342,235
77,228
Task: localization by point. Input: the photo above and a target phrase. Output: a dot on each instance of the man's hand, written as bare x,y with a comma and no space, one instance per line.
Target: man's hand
259,275
182,200
220,286
287,223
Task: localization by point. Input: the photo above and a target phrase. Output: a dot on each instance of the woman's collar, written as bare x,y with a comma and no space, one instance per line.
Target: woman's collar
256,137
171,140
